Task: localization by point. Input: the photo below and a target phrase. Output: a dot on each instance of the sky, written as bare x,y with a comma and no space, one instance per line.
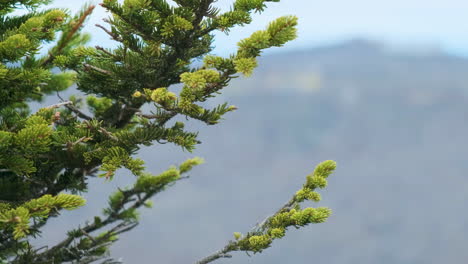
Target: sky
412,24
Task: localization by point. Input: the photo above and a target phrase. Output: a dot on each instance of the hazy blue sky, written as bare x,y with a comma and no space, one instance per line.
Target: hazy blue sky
413,23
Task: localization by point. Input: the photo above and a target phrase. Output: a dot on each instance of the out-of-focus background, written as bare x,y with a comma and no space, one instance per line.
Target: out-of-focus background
379,86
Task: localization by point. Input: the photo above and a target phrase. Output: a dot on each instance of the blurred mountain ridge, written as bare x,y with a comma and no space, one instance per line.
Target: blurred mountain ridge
367,64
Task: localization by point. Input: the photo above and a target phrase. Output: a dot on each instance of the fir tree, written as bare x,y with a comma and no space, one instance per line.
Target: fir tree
49,154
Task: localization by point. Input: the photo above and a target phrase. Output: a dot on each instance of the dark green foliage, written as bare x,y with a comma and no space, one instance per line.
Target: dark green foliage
30,158
60,146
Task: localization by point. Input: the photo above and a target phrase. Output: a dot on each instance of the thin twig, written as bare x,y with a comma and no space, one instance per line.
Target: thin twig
89,66
78,112
105,51
58,105
87,235
218,254
112,35
76,26
232,245
147,116
107,133
75,110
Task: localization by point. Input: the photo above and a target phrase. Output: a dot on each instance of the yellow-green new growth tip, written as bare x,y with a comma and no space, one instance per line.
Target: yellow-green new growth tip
277,34
325,168
259,243
163,97
307,194
314,182
237,235
317,179
245,65
277,232
189,164
18,218
198,80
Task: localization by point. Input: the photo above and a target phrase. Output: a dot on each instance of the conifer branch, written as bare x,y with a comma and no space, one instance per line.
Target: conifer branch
139,30
273,227
232,245
125,203
112,35
75,27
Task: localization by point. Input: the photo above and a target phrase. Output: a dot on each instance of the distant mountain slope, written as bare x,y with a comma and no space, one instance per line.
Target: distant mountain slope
373,68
